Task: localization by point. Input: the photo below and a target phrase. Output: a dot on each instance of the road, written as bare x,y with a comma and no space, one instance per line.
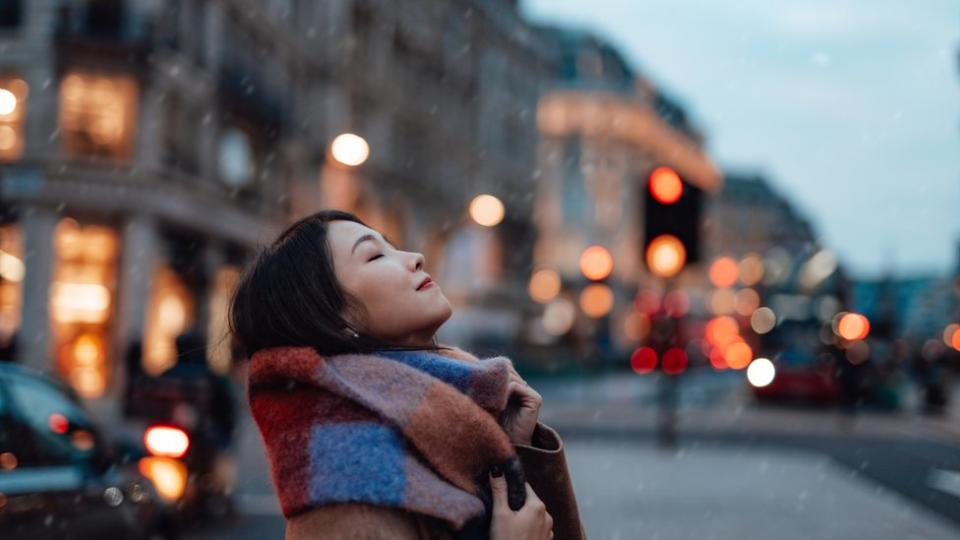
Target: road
738,470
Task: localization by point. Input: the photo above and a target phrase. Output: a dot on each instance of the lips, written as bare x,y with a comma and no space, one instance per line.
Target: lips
425,283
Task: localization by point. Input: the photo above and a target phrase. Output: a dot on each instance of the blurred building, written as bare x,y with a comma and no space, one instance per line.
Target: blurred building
141,164
148,148
749,216
920,307
603,128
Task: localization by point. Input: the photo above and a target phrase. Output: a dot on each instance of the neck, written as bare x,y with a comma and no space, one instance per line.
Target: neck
418,339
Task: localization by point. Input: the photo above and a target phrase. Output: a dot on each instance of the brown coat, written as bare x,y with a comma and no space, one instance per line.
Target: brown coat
545,467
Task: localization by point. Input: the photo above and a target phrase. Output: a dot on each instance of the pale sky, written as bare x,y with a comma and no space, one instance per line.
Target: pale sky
850,107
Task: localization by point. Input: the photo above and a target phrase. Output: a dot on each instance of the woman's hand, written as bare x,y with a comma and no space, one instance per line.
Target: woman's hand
531,522
520,417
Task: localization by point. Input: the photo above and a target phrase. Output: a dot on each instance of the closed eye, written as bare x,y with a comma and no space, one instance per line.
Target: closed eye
375,257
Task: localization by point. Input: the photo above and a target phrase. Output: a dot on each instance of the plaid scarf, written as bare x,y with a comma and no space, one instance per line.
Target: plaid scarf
413,430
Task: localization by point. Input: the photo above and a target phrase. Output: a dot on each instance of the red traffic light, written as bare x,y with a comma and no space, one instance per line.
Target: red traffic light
665,185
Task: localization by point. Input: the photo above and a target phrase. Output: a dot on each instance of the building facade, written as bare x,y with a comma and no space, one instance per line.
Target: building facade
149,148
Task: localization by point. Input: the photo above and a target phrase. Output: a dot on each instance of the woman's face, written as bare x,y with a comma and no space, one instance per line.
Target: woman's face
387,282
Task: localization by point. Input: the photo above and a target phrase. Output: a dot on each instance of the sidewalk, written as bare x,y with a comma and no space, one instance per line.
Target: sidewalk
629,490
625,404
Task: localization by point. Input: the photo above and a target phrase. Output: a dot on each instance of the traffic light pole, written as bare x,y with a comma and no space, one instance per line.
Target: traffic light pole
668,386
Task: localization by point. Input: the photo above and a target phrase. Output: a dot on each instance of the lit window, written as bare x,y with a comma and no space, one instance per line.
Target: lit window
12,272
13,109
98,115
169,314
81,303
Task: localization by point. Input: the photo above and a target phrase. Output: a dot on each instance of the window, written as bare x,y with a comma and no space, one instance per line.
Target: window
236,163
169,313
13,109
98,115
81,303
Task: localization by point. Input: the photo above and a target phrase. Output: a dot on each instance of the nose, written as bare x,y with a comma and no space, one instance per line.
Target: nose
418,261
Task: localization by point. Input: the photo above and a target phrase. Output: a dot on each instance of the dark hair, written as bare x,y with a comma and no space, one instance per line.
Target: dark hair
289,296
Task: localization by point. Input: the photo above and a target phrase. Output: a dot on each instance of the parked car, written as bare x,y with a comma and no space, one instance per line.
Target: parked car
60,477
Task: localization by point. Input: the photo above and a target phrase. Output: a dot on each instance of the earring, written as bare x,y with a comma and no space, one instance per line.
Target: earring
356,335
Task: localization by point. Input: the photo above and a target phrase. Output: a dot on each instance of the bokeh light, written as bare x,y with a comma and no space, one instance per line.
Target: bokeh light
596,263
763,320
8,102
674,361
350,149
558,316
721,331
486,210
665,185
950,334
751,269
596,300
643,360
761,372
853,326
666,255
58,423
724,272
738,355
544,285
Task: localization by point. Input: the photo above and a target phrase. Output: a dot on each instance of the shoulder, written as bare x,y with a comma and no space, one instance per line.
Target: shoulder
357,521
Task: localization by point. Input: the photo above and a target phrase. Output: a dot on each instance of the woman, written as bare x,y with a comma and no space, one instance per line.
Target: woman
372,428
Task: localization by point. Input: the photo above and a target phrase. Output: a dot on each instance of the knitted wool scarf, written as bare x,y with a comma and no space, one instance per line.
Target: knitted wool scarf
413,430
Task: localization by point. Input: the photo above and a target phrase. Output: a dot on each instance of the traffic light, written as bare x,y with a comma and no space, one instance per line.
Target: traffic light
671,217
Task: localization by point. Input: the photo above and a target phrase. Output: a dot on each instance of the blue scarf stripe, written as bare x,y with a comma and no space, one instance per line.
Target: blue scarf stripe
356,461
450,371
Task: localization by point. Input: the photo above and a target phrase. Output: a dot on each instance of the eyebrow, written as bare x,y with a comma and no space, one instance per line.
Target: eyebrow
366,237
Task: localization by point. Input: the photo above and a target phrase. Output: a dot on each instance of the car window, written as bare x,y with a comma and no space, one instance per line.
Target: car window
50,427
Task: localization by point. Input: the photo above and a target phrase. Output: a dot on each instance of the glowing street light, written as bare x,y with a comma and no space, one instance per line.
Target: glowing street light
487,210
350,150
